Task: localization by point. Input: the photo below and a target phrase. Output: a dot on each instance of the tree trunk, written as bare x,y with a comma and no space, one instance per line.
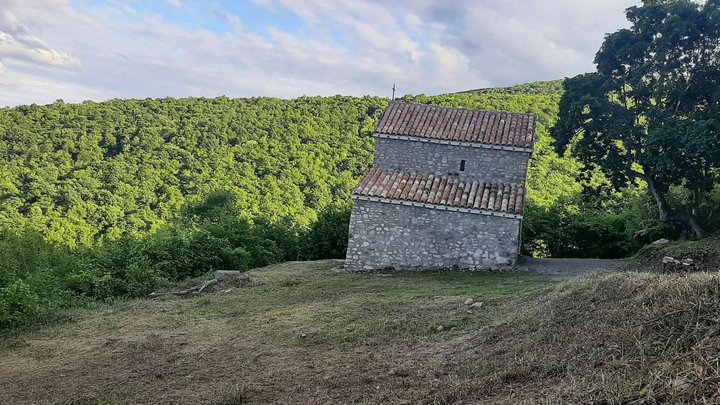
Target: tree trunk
668,214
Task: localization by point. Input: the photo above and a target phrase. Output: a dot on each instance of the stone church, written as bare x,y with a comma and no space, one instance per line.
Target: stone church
447,190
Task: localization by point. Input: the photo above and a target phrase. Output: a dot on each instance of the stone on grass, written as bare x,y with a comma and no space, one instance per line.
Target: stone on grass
232,277
671,260
661,242
680,383
478,304
224,275
469,301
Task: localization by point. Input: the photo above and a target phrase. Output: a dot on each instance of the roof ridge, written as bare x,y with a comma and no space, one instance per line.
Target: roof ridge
448,124
460,108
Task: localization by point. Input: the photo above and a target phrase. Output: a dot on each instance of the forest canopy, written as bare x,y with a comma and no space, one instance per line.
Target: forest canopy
82,173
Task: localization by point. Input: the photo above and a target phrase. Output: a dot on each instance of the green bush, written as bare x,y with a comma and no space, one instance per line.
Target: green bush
37,277
19,305
586,226
327,238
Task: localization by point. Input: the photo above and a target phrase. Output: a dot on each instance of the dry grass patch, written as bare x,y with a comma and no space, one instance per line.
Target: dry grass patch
306,333
705,254
632,338
302,333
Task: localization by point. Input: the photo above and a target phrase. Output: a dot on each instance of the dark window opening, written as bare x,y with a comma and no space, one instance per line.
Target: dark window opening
462,165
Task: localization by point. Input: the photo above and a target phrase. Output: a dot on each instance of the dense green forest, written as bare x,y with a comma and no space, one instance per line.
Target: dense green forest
551,88
83,173
114,199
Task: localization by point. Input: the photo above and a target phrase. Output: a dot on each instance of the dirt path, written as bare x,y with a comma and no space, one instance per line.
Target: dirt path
563,269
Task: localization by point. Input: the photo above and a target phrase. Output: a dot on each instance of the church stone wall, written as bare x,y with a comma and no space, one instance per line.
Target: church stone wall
387,235
433,158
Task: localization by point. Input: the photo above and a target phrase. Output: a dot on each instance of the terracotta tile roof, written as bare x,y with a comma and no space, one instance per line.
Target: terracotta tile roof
443,190
451,124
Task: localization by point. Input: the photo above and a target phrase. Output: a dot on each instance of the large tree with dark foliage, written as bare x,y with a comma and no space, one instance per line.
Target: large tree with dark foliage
651,112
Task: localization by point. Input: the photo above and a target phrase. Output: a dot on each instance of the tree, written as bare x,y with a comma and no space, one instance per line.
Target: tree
650,112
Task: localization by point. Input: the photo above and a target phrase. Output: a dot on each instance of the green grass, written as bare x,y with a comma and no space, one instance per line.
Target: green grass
340,308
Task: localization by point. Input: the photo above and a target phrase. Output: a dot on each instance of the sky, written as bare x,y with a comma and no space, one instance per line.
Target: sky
103,49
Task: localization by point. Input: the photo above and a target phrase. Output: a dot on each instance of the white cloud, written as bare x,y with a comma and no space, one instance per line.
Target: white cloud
18,45
175,3
14,50
513,41
51,49
232,20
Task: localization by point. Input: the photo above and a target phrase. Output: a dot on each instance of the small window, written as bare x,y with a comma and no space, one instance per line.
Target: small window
462,165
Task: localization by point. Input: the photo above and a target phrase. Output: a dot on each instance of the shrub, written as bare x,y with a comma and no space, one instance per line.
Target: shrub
327,238
19,305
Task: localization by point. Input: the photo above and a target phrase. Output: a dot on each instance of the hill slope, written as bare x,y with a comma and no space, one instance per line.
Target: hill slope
306,333
551,87
100,200
79,173
82,173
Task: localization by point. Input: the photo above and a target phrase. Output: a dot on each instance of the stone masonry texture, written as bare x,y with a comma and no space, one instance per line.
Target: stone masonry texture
501,166
393,236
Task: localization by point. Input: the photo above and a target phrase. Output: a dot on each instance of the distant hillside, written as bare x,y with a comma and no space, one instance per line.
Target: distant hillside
81,173
551,87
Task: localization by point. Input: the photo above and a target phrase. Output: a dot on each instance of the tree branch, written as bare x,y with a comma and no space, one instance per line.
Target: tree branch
637,174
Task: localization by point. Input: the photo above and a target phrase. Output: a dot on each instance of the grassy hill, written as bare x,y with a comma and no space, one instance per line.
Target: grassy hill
308,333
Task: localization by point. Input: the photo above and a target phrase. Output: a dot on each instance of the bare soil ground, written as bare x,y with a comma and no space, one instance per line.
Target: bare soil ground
307,333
